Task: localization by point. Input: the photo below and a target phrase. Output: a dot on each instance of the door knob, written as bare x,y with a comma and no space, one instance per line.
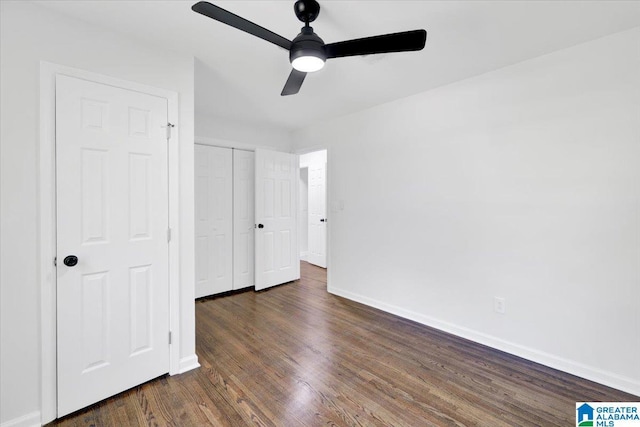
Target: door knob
260,225
322,220
70,260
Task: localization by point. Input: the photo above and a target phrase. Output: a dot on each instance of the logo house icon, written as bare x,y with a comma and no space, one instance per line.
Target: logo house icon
584,417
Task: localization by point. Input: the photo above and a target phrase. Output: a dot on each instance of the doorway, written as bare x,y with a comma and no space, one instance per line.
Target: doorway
313,208
52,266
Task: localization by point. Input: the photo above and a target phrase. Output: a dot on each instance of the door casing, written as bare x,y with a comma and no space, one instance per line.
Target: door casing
317,219
47,225
332,206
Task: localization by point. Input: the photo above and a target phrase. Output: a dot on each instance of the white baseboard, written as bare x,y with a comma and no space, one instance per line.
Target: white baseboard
29,420
572,367
303,256
188,363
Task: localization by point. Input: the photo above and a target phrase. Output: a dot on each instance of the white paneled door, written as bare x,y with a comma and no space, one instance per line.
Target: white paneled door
214,220
277,259
112,249
317,254
243,218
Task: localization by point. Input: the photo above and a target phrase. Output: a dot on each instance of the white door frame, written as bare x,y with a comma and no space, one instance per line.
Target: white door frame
311,165
331,207
47,230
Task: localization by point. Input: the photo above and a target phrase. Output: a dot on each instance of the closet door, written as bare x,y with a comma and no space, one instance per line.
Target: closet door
214,220
243,218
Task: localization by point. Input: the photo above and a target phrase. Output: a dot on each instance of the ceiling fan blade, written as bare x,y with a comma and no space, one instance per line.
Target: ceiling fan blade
292,86
396,42
226,17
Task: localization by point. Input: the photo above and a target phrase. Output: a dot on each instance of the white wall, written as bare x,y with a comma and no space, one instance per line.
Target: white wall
313,158
522,183
241,135
29,34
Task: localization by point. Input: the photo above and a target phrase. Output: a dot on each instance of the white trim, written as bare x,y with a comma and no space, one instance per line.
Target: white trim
330,214
594,374
47,242
304,255
188,363
29,420
312,149
173,153
225,143
47,223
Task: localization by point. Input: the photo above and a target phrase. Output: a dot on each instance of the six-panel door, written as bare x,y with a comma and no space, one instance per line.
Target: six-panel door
112,214
277,255
214,220
317,214
243,218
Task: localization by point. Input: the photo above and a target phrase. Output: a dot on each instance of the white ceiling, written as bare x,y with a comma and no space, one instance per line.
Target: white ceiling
239,77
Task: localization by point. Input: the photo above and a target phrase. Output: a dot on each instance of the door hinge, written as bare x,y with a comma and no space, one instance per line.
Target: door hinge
168,235
169,127
55,261
169,337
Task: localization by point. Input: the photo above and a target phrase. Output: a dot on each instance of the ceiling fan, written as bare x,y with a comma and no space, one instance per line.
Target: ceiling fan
307,52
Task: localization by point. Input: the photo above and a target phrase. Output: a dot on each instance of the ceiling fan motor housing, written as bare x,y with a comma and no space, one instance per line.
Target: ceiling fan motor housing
307,43
306,10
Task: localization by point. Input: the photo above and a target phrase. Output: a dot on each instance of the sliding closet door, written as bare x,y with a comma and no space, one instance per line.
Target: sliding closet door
243,218
214,220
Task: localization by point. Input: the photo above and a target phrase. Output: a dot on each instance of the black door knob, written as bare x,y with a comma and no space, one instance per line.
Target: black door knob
322,220
260,225
70,260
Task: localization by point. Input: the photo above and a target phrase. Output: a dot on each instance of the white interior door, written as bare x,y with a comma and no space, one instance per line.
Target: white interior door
112,214
214,220
243,218
277,258
317,254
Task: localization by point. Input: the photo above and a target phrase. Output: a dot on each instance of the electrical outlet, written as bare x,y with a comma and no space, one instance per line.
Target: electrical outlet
499,305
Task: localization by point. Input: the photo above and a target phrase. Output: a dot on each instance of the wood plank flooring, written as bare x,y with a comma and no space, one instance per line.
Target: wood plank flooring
295,355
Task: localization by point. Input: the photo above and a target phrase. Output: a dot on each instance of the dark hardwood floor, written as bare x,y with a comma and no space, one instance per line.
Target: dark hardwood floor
295,355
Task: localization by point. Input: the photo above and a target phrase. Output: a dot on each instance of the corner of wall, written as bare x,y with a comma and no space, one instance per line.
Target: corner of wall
29,420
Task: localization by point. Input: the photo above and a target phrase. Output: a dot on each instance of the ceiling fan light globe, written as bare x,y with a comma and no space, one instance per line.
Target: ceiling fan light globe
308,64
